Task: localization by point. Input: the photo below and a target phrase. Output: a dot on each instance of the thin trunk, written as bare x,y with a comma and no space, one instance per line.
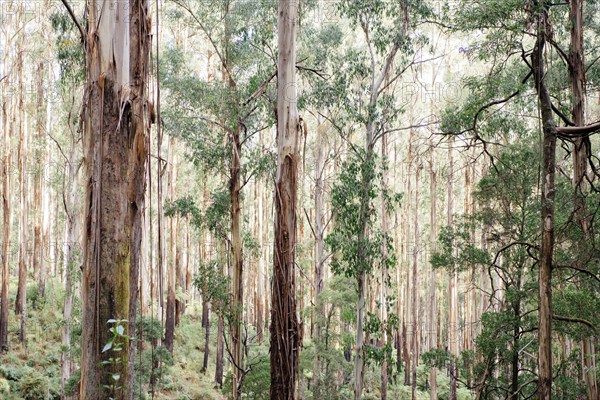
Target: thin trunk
21,301
319,260
170,311
580,156
432,274
452,301
406,256
237,304
206,321
37,184
179,285
547,205
415,288
220,346
6,194
384,278
71,257
285,327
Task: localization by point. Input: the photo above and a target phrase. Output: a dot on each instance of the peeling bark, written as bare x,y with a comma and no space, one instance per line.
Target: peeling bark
285,326
115,153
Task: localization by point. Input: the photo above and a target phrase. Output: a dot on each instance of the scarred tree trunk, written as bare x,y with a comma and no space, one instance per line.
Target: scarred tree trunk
285,326
547,205
115,156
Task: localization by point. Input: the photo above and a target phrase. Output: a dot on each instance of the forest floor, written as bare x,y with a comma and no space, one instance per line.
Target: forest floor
34,371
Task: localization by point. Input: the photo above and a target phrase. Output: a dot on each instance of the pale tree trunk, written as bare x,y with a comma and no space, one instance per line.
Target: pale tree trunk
115,125
260,316
72,257
415,286
384,277
220,337
407,249
179,285
397,248
21,301
188,271
367,176
7,129
432,323
319,219
544,391
285,326
580,155
38,178
452,300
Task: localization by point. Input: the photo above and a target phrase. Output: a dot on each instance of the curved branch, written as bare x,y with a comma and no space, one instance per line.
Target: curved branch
585,271
575,320
72,14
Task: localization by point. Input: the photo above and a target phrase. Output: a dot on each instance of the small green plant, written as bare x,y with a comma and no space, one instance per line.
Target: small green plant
116,344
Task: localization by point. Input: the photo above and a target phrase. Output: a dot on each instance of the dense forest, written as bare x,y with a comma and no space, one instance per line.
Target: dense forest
300,199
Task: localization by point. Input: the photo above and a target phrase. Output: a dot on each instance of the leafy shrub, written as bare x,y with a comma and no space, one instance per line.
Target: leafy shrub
33,385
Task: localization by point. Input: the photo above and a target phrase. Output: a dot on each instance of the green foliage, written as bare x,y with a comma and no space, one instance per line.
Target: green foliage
72,385
117,343
33,385
69,50
352,196
34,299
258,381
213,285
185,207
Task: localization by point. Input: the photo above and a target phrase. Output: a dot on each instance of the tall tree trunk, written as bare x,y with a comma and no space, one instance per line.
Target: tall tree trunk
71,257
40,151
206,322
384,277
547,205
6,193
319,311
115,153
452,300
285,326
580,156
237,305
21,301
178,277
407,250
170,311
415,289
432,325
220,346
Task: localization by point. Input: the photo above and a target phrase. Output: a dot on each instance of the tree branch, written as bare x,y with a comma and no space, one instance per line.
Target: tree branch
75,21
575,320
